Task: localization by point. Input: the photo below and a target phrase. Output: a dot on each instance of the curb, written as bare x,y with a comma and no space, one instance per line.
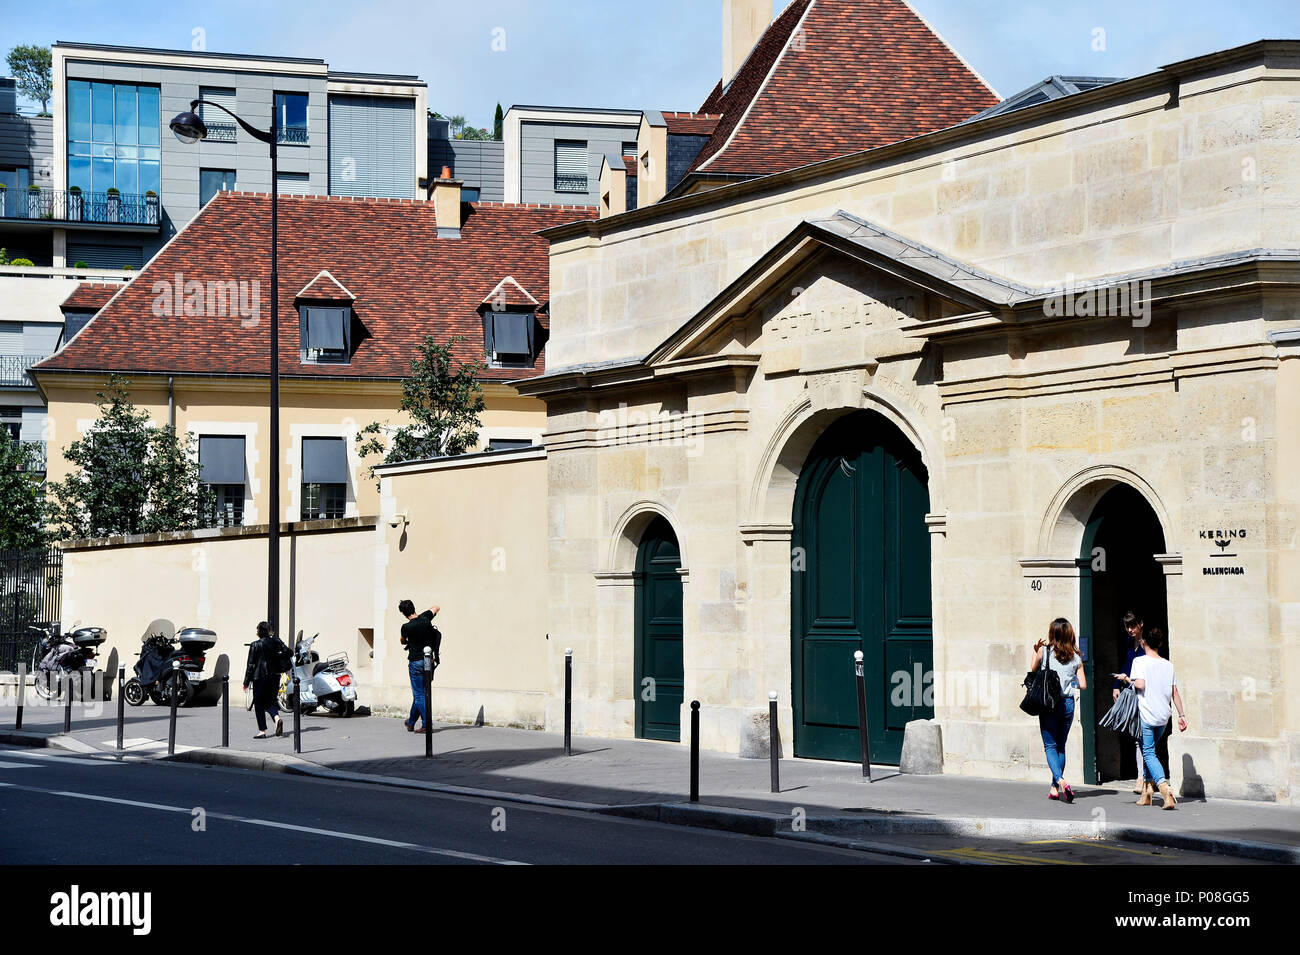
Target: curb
22,738
843,831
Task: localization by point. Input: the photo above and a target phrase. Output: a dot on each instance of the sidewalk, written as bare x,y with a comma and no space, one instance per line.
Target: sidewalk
649,779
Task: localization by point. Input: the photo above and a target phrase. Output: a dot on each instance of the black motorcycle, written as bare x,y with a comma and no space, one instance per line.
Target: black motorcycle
66,658
155,675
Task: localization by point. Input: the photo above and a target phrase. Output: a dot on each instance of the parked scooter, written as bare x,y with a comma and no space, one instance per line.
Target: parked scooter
163,646
327,683
56,654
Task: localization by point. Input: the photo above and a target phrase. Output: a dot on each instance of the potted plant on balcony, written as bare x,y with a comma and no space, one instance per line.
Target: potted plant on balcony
34,201
114,197
151,207
74,204
3,190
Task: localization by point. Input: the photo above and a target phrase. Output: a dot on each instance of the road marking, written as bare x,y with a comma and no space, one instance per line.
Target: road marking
1004,858
1092,845
269,823
18,765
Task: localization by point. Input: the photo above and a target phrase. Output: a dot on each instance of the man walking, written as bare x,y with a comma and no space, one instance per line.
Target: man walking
417,633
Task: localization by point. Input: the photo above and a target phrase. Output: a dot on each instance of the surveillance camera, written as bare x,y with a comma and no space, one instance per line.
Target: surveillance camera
399,521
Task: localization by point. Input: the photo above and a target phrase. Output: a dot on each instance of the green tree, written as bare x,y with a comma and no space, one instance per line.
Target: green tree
129,477
498,124
444,404
21,507
30,66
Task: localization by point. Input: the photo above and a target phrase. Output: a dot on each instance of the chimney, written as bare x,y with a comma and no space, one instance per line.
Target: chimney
613,185
743,23
446,204
8,95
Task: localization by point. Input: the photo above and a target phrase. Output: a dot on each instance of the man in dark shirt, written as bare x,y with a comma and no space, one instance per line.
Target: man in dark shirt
417,633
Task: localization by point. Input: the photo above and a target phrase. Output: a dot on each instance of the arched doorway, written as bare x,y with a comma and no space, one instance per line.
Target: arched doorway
1118,572
658,652
860,581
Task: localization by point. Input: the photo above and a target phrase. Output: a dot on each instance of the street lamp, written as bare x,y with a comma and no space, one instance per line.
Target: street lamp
190,128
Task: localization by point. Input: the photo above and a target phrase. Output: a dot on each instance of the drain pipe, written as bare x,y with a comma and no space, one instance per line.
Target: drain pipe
171,402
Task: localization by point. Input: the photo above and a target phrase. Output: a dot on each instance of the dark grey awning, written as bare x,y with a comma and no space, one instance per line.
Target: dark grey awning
324,461
325,328
221,459
512,333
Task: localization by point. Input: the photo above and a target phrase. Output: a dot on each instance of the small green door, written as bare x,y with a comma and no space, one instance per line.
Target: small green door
659,673
860,581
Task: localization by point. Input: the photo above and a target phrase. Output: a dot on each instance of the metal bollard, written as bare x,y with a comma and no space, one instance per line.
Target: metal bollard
225,711
22,695
428,702
862,715
297,715
772,742
65,684
568,701
175,695
695,750
121,705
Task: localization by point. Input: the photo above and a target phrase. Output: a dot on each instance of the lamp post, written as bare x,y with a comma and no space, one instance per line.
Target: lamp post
190,128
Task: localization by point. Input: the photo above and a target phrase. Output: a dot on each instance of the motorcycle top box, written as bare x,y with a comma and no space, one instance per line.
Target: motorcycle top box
196,640
89,636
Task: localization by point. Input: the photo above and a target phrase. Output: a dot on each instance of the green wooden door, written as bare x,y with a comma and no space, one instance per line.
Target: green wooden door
860,581
659,674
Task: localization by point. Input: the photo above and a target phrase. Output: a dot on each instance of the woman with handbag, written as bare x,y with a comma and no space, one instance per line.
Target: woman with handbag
264,676
1063,659
1133,625
1157,687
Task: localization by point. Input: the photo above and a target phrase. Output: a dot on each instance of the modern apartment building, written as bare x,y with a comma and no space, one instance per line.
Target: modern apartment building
120,186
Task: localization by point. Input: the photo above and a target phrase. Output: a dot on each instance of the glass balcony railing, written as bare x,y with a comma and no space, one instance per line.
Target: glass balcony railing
13,370
59,205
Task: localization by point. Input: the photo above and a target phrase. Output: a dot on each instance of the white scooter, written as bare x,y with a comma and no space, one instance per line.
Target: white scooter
327,683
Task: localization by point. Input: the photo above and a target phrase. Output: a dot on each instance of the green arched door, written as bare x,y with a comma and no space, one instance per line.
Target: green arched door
659,672
860,581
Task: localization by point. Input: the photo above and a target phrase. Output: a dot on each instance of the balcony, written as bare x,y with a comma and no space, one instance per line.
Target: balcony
13,370
570,183
293,135
221,133
88,210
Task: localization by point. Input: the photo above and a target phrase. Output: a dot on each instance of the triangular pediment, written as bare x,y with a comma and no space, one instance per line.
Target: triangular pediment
833,285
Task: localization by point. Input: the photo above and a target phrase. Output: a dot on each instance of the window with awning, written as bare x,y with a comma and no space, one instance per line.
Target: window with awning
326,333
324,478
221,471
509,338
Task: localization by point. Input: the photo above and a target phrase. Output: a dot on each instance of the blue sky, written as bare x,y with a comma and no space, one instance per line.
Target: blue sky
662,54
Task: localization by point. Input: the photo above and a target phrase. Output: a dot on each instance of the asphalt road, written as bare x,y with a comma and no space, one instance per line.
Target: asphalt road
142,812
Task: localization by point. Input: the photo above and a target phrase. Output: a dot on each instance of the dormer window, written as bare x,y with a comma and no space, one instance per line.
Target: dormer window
509,338
326,333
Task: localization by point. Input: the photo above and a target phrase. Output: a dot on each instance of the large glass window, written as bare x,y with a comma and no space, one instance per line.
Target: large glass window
221,471
324,478
291,117
113,137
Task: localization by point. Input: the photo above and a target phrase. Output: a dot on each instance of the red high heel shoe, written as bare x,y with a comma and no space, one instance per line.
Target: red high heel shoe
1068,794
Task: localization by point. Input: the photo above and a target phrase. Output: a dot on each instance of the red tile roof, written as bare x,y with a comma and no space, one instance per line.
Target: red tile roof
629,162
407,283
691,124
832,77
91,296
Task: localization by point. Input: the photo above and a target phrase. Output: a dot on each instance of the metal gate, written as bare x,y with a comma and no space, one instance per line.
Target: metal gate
31,584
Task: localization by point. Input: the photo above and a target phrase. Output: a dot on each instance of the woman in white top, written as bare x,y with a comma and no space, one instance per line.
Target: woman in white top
1153,678
1063,658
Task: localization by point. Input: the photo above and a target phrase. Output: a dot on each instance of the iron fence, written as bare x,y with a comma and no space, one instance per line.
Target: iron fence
31,587
61,205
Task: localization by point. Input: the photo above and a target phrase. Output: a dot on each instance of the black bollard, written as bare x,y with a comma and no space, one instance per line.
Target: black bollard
65,683
862,714
22,694
428,702
121,705
568,701
175,695
695,750
772,747
225,711
297,715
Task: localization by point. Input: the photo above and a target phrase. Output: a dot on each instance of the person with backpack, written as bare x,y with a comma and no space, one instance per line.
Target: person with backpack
265,661
1157,687
1063,659
417,633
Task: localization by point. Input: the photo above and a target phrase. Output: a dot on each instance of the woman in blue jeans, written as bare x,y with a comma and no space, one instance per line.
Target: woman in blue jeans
1063,658
1157,689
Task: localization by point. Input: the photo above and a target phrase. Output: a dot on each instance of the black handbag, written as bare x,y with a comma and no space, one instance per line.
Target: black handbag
1042,689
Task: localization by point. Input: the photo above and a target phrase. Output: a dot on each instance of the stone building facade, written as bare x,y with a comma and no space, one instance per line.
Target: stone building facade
923,399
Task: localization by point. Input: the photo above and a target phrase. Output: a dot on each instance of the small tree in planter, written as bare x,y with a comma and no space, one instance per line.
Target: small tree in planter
151,207
114,197
34,201
3,189
74,204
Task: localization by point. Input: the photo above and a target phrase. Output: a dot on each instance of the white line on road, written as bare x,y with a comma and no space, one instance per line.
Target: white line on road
18,765
333,834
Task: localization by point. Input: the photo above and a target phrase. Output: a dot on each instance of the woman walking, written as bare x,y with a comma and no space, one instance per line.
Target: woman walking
264,676
1063,658
1133,627
1157,687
